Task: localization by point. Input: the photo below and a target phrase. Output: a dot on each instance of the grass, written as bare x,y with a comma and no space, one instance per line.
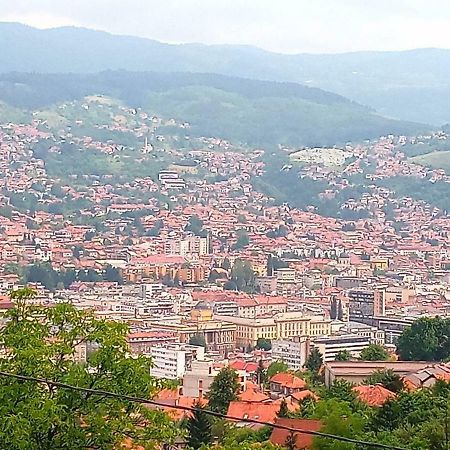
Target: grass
435,160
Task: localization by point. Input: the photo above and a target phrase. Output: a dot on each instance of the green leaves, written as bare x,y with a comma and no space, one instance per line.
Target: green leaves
43,342
427,339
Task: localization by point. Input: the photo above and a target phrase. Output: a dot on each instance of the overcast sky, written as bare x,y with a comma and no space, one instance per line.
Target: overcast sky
288,26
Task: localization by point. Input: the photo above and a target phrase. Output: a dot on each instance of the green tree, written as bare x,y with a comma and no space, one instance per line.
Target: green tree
43,342
341,390
374,352
197,339
223,390
387,378
284,410
314,361
276,367
243,277
195,226
199,427
113,274
333,309
264,344
340,312
427,339
343,355
242,239
261,373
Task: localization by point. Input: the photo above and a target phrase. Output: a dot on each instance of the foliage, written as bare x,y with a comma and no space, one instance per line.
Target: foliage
199,427
284,410
314,361
198,339
343,355
242,240
264,344
276,367
374,352
427,339
387,378
42,342
223,390
243,276
261,373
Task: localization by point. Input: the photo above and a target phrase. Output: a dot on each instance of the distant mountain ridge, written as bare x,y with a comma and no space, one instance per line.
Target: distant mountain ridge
411,85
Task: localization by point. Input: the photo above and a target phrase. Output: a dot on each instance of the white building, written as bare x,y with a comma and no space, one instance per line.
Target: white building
173,360
292,352
330,346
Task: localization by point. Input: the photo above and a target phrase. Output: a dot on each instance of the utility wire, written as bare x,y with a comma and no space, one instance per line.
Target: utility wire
191,409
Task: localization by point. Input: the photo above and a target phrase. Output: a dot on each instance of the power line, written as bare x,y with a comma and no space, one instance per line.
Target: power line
191,409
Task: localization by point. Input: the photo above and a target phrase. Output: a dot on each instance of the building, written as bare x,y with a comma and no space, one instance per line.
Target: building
291,351
280,326
357,371
219,336
330,346
197,380
365,303
173,360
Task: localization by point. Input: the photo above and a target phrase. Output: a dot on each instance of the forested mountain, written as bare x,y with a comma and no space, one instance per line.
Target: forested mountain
410,85
243,110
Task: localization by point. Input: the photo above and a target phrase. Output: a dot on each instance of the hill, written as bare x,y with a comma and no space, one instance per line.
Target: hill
243,110
409,85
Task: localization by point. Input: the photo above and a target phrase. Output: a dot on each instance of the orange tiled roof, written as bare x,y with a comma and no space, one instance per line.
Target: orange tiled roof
289,380
373,395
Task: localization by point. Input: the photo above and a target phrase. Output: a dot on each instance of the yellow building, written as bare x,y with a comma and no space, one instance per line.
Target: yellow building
281,326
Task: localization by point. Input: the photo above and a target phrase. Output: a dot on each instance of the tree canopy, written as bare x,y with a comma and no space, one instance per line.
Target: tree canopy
427,339
374,352
223,390
45,342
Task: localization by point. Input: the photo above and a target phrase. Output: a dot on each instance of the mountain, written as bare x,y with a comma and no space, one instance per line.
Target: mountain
410,85
255,112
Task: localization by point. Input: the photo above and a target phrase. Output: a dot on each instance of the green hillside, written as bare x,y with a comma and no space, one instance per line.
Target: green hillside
249,111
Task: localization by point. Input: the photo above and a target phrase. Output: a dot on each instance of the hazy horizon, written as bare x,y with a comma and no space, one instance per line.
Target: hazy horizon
289,27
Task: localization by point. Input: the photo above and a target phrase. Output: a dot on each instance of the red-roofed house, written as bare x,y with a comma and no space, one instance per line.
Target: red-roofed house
302,440
286,384
373,395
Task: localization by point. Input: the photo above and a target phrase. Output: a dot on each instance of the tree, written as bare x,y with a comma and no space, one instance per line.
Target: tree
333,309
276,367
197,339
387,378
343,355
226,265
341,390
284,410
243,276
374,352
427,339
42,342
113,274
314,361
242,239
199,427
264,344
340,313
261,373
223,390
195,225
291,441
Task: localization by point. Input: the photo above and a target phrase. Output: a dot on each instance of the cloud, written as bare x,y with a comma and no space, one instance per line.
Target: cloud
289,26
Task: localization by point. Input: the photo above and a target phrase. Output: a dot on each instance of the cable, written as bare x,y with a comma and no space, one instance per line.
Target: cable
191,409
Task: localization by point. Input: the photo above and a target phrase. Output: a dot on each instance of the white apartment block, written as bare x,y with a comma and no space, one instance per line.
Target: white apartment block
173,360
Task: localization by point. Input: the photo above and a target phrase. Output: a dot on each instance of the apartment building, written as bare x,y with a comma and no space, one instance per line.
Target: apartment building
173,360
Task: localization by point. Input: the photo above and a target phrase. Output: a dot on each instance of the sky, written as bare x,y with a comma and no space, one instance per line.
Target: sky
285,26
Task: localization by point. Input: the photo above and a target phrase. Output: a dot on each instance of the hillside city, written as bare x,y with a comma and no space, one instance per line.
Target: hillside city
128,215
